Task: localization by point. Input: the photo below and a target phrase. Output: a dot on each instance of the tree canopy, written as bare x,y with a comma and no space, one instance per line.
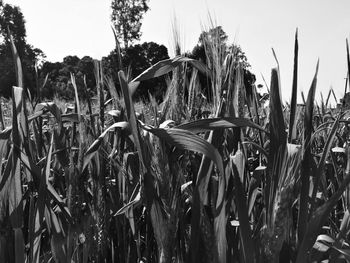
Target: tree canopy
137,58
126,17
218,35
217,38
12,21
59,80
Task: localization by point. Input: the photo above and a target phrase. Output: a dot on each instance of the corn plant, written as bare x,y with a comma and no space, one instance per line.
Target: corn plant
109,184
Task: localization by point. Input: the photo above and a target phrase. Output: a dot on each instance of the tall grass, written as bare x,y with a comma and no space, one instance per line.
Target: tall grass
111,185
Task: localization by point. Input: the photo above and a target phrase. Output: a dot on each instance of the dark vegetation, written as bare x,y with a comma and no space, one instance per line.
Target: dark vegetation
54,77
206,173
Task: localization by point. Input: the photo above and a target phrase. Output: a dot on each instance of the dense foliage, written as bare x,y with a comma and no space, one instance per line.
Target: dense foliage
46,79
116,182
205,171
136,59
126,17
12,20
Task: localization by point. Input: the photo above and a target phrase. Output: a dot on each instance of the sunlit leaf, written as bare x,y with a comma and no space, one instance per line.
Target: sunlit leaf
187,140
165,66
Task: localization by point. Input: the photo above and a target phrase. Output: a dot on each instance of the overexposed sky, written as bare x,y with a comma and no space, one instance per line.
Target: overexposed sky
82,27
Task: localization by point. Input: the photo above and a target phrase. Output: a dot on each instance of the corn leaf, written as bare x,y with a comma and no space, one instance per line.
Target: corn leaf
19,245
248,249
97,143
278,143
187,140
218,123
165,66
293,104
348,60
319,217
133,121
15,187
18,64
306,162
40,207
322,162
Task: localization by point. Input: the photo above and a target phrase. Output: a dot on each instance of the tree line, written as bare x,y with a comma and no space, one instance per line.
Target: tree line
46,79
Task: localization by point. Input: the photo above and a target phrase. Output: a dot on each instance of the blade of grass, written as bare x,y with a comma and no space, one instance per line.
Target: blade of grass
244,225
2,127
303,98
40,208
165,66
92,121
81,128
134,127
218,123
303,214
328,97
348,75
293,103
118,50
17,60
278,142
15,187
100,92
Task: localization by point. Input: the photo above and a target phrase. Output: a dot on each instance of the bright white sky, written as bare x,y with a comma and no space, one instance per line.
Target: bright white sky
82,27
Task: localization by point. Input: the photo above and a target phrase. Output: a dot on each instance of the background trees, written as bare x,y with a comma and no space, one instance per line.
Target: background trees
207,41
135,58
59,80
12,20
126,17
139,58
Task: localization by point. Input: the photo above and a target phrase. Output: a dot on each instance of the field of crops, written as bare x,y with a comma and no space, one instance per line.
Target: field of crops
194,179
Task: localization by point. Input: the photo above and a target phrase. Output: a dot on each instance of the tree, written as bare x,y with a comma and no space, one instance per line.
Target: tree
138,58
126,17
219,36
141,57
12,21
216,33
59,80
213,38
11,18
